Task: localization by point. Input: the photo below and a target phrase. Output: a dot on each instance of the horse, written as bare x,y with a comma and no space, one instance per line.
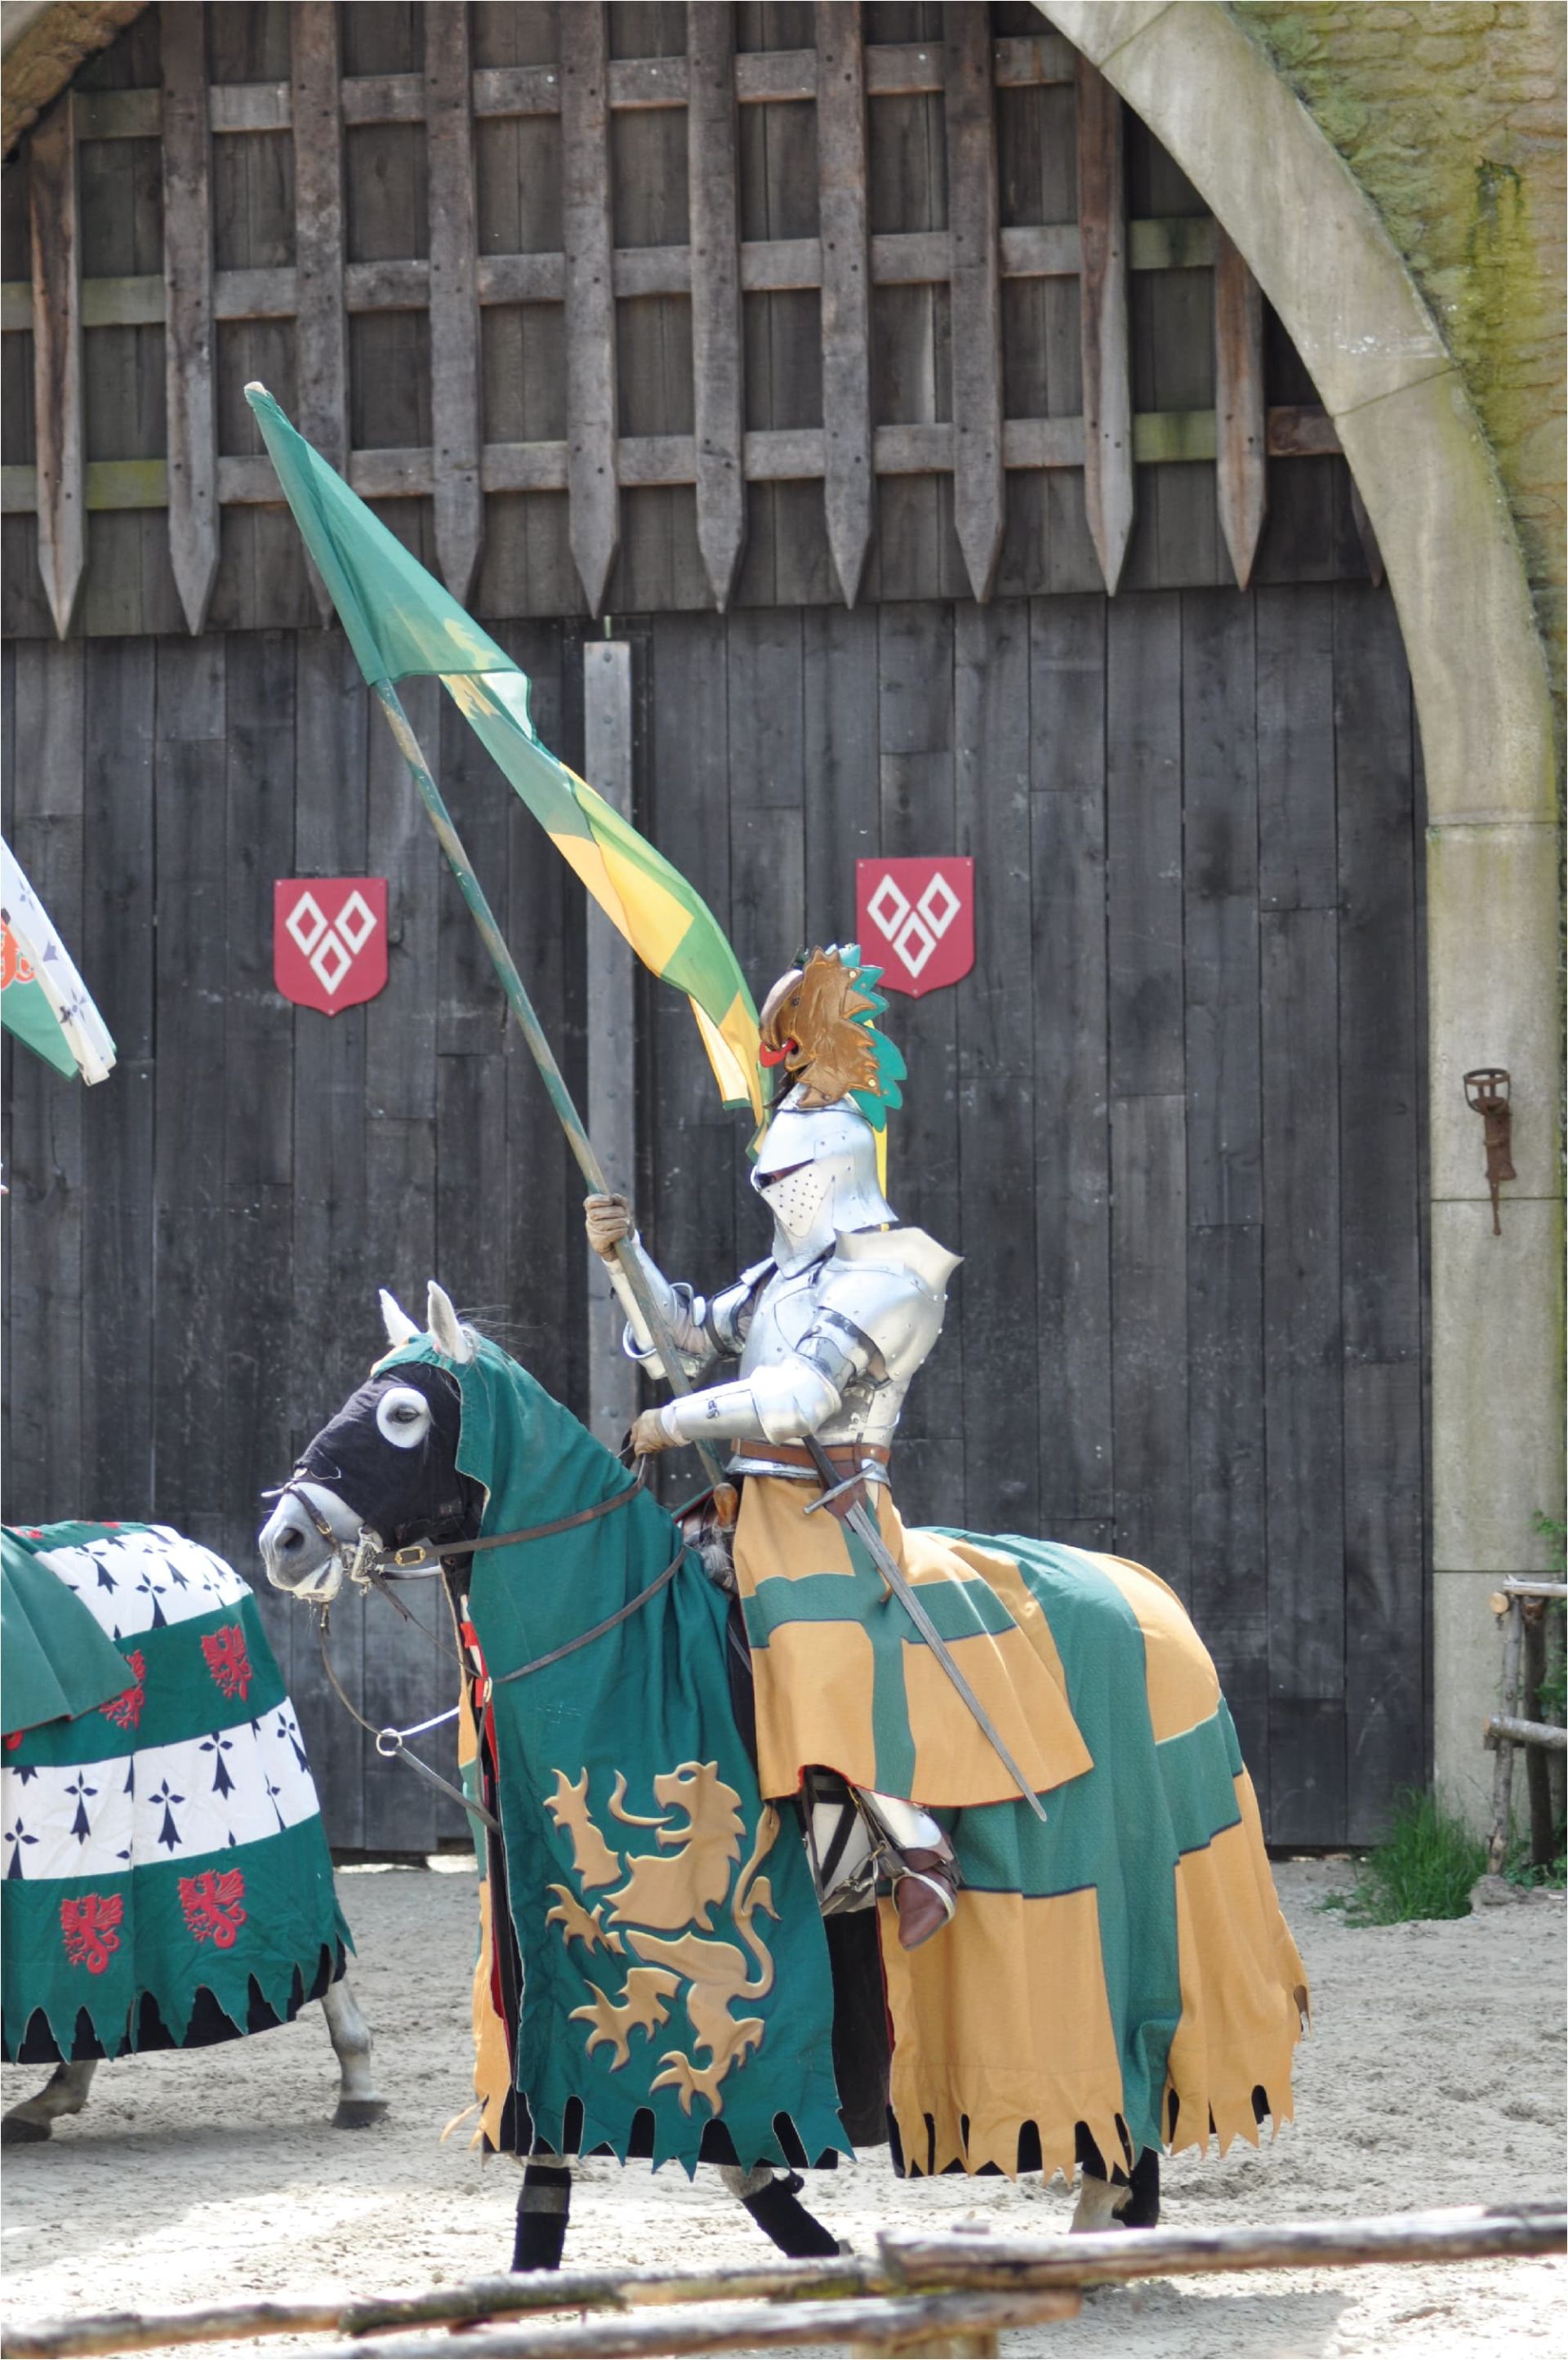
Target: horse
167,1881
1140,1985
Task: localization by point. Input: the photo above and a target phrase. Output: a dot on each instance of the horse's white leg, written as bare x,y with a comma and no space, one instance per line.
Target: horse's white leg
358,2103
1099,2202
65,2092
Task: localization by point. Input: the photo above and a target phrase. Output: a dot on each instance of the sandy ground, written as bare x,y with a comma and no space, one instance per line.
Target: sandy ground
1434,2076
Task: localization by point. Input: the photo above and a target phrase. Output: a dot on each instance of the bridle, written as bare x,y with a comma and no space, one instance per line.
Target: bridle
374,1564
373,1561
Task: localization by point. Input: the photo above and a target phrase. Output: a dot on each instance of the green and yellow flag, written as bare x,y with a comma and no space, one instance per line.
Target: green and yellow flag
401,622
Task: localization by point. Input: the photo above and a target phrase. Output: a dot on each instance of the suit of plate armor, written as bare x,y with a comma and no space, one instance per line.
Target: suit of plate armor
828,1330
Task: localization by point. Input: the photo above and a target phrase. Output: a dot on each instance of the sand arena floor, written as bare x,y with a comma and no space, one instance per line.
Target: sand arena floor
1434,2076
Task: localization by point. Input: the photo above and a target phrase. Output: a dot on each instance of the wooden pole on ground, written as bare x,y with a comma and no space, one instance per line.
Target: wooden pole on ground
907,2266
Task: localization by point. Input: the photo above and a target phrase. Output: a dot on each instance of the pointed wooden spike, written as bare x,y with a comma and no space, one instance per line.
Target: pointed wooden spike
321,327
716,351
591,403
1241,420
980,507
188,313
57,361
453,302
847,488
1108,488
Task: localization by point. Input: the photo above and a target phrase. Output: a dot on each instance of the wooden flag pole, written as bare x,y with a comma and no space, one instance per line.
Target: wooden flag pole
518,1000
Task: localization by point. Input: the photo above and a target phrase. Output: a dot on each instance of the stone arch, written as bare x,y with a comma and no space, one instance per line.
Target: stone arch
1426,471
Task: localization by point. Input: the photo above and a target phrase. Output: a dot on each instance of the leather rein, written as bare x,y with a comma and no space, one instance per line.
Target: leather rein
380,1565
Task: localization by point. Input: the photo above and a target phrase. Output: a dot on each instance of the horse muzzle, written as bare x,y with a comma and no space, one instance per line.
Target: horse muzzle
300,1557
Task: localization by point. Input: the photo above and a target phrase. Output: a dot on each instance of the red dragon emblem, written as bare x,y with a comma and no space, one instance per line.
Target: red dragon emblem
226,1659
15,964
211,1902
124,1710
89,1926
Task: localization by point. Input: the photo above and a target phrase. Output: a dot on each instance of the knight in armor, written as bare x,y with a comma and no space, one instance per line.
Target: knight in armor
828,1331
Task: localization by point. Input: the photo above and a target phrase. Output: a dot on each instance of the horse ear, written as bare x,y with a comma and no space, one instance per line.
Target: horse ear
447,1332
400,1329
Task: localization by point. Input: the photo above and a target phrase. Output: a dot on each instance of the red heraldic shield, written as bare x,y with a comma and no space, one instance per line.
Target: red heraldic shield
329,940
917,920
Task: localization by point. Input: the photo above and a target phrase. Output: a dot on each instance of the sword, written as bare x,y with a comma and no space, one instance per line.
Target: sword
839,1500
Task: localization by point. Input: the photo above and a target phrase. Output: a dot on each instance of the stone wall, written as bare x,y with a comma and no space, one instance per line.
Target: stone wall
1450,113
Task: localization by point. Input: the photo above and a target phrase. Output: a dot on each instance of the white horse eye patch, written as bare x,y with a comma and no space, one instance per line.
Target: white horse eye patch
402,1417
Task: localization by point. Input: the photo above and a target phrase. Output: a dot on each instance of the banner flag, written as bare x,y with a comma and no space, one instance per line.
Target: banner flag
401,622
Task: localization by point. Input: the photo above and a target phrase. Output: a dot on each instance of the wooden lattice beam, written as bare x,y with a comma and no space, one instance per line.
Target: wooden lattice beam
717,362
844,262
57,362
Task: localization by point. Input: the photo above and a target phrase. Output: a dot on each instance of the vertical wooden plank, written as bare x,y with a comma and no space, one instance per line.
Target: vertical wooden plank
258,1110
1298,862
335,1327
695,1151
591,403
321,323
1072,1137
117,956
994,1007
188,1378
549,1291
1220,796
44,1469
1148,1333
716,292
975,316
454,299
188,313
915,650
611,1107
1379,1026
1240,421
406,1676
1147,1083
1107,378
57,359
846,290
844,821
1302,1344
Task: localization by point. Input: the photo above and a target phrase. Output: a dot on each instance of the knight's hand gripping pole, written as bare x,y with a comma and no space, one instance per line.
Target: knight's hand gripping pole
581,1145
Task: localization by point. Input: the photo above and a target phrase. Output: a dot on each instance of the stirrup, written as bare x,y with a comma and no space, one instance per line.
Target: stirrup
934,1877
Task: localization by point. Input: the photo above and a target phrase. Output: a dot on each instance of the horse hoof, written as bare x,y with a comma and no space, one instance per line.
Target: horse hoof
358,2114
20,2130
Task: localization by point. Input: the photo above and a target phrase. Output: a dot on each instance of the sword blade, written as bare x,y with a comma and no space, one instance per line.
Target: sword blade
860,1522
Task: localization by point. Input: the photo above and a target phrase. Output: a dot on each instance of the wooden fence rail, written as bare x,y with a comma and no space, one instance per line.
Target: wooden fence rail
915,2289
1520,1606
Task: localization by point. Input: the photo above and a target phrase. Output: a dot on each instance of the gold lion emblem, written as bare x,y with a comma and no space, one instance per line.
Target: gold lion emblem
658,1907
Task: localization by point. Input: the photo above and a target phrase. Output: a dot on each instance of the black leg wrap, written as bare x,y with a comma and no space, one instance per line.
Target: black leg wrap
1142,2210
779,2213
542,2208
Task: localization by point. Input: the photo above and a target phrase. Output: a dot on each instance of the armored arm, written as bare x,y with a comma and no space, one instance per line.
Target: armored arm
875,1314
703,1328
783,1399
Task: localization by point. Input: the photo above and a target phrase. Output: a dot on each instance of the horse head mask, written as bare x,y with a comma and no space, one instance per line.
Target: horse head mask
386,1466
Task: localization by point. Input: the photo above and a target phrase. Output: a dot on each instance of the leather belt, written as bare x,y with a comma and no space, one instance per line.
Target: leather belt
850,1456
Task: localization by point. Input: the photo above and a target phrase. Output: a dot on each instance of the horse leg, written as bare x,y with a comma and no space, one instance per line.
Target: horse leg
774,2205
543,2208
358,2103
1128,2198
65,2092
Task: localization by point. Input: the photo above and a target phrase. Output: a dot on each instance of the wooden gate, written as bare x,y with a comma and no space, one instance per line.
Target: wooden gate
774,337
